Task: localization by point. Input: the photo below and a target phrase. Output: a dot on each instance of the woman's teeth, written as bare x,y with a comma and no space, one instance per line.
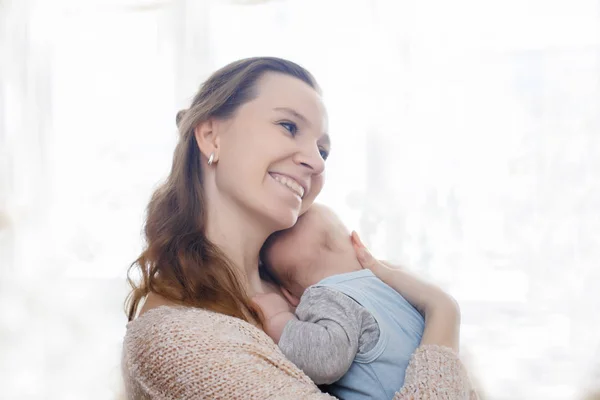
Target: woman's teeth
290,184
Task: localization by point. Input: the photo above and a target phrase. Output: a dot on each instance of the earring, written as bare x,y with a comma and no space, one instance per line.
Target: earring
211,158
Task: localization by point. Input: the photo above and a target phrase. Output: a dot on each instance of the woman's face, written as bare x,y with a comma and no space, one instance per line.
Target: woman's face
272,151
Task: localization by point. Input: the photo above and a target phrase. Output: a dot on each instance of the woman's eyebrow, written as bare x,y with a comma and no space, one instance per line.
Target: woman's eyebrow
293,112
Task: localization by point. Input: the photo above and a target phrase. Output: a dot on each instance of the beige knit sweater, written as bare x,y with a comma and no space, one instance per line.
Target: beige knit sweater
188,353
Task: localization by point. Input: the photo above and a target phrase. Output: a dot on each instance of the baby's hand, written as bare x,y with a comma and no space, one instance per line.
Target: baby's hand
276,312
271,304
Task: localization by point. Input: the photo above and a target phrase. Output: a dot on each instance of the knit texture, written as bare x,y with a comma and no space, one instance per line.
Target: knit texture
187,353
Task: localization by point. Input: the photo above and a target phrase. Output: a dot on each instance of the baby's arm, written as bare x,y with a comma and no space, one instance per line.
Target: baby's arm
323,341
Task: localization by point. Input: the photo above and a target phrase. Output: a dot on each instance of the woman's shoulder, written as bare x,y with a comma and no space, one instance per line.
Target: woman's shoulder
179,315
169,325
181,352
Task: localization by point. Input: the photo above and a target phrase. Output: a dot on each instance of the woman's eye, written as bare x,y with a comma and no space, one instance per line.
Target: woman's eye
324,153
290,127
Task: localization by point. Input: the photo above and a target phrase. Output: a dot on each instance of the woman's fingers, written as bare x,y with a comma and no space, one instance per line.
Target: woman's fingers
362,254
392,265
356,240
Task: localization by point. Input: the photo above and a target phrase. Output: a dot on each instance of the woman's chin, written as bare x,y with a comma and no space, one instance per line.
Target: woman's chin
282,217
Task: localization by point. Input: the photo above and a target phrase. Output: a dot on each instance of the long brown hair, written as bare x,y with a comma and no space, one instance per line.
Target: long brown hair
179,262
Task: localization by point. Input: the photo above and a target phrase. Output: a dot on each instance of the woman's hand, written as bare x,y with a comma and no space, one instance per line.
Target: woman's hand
440,310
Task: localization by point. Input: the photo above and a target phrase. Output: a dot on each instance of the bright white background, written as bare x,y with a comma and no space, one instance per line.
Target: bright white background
466,144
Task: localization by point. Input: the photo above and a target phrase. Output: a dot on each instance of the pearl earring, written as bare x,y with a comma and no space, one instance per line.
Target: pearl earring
211,158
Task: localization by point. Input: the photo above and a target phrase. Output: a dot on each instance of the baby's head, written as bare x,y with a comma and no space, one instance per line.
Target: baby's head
317,247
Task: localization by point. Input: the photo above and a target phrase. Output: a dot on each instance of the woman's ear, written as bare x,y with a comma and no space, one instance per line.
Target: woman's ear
293,300
207,139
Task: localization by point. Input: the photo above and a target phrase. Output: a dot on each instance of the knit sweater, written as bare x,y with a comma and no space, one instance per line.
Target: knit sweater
188,353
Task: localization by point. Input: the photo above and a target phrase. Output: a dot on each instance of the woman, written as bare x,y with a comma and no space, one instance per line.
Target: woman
250,160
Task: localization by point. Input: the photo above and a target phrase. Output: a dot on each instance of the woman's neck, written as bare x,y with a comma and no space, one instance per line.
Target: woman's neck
241,239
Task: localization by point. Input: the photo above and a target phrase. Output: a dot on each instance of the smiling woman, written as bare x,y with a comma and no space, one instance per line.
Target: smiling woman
412,88
250,160
200,221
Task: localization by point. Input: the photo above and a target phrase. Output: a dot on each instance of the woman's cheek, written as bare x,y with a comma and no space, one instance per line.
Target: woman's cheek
316,187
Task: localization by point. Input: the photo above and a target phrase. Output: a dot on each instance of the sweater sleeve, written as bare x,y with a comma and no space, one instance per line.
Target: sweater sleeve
171,354
436,372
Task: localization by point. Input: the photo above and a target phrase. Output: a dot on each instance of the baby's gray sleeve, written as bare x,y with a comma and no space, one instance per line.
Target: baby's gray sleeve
324,340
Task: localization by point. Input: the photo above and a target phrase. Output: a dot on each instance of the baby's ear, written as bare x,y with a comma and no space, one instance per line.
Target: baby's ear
293,300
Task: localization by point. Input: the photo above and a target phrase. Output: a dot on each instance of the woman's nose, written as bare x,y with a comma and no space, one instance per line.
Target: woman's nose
310,157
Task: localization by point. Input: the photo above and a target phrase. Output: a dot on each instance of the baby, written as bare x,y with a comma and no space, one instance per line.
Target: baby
350,330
